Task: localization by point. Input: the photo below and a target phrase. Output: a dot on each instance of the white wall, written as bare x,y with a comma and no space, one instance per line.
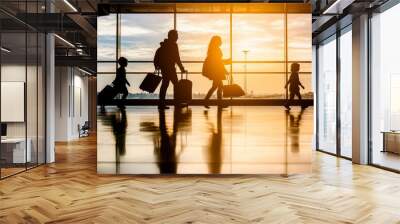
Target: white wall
33,106
15,73
71,102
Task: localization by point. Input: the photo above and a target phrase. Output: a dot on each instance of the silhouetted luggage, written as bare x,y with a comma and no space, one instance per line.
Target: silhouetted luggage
206,69
233,90
107,94
213,70
151,82
183,90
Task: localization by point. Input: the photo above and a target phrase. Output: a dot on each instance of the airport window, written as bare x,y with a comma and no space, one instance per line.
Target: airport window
262,46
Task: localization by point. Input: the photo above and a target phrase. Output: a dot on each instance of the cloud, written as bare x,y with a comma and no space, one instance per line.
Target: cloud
262,34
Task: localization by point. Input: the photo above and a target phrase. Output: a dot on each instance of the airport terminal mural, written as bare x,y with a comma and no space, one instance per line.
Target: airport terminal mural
258,49
208,55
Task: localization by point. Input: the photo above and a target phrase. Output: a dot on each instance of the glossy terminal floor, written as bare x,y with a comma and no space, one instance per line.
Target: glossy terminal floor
235,140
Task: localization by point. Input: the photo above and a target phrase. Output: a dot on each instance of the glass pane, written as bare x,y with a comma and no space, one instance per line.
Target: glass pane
259,68
106,37
308,91
346,94
299,37
327,97
31,99
262,86
196,31
141,34
385,114
13,85
106,67
262,35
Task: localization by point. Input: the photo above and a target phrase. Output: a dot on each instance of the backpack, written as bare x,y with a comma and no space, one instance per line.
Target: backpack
159,56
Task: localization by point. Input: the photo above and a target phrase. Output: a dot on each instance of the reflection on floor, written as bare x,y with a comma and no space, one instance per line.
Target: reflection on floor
8,171
235,140
387,159
11,169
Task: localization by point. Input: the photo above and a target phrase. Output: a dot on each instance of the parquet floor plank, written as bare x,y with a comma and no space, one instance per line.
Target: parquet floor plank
70,191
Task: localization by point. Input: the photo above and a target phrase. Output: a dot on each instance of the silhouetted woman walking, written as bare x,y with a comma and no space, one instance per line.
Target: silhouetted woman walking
214,67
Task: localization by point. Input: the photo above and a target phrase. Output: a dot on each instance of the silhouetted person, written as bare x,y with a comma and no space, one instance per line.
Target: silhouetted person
294,83
294,129
118,123
167,156
214,152
166,60
120,80
167,160
119,126
214,68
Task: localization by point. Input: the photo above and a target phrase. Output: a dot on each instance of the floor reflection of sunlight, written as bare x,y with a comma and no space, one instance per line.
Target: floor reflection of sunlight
143,140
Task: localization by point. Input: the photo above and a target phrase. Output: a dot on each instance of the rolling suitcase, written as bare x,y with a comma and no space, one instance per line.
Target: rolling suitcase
183,90
232,90
151,81
106,95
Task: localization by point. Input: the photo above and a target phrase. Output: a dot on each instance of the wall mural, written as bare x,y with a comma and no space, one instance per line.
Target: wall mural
165,81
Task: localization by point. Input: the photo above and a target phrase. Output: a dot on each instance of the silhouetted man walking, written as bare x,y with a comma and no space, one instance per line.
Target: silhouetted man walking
165,59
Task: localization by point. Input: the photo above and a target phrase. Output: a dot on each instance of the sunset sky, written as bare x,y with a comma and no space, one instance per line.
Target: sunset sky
261,34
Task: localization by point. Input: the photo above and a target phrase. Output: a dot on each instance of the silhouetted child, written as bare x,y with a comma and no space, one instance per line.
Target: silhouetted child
294,83
120,80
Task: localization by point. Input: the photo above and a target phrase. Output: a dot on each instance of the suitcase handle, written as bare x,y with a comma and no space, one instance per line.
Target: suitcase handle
229,78
186,72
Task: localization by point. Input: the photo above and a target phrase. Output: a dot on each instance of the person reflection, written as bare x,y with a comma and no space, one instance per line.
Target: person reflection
118,123
214,148
165,150
119,126
165,143
294,129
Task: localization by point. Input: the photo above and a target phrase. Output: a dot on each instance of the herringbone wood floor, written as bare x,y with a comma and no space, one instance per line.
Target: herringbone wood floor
70,191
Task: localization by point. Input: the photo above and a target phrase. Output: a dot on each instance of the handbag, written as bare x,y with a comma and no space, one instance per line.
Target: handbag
232,90
213,69
206,69
151,81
